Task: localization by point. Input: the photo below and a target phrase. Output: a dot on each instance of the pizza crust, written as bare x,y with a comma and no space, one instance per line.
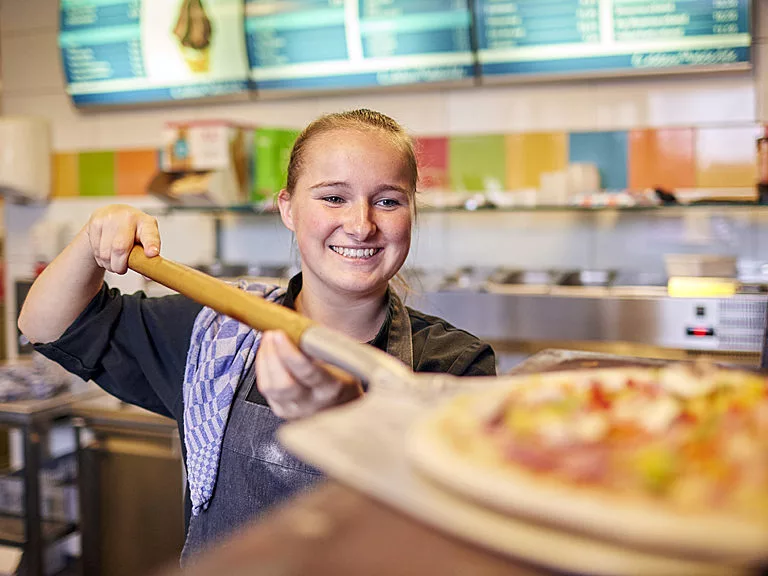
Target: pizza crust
460,461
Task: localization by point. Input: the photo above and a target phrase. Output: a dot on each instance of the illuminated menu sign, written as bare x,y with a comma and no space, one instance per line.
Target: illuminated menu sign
340,44
568,37
128,51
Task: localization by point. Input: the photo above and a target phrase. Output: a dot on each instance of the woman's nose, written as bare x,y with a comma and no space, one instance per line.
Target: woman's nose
359,223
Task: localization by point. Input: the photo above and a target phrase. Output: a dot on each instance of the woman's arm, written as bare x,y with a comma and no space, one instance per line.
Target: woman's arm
70,282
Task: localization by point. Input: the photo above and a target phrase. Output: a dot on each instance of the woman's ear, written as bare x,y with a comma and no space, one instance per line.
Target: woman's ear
284,205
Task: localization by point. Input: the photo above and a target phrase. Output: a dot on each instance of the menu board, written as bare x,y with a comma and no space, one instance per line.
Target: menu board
595,37
340,44
130,51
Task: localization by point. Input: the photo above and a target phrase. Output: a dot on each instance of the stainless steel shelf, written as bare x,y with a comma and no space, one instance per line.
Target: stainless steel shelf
12,530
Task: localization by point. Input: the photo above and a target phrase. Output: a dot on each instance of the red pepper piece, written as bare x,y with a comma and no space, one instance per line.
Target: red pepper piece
598,398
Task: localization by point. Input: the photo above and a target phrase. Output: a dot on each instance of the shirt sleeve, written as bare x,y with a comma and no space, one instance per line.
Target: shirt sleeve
133,346
440,347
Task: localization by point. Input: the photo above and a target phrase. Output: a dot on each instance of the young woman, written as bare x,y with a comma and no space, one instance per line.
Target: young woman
349,199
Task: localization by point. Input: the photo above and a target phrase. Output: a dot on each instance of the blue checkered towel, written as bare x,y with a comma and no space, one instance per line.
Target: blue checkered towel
221,353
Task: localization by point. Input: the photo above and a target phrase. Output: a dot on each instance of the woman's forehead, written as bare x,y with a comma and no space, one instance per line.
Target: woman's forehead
349,148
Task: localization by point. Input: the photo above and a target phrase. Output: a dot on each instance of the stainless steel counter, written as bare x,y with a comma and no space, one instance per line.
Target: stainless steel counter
595,314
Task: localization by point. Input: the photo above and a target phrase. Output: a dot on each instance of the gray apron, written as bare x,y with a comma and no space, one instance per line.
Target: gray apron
255,472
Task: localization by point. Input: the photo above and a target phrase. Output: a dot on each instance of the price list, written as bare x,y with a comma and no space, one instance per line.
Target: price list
504,24
635,20
583,37
299,32
101,41
326,44
406,27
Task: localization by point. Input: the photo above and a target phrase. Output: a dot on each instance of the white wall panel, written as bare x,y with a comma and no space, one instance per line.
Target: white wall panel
31,64
23,15
70,129
521,108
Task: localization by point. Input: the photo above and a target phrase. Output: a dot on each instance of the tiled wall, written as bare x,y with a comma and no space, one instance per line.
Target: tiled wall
121,173
670,158
682,157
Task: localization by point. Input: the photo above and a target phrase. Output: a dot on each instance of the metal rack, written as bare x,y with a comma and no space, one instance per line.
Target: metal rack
34,418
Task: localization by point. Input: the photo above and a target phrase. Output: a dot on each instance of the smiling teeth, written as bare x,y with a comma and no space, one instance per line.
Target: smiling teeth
355,253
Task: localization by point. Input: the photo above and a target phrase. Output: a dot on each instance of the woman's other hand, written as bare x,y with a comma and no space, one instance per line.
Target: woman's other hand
294,385
112,232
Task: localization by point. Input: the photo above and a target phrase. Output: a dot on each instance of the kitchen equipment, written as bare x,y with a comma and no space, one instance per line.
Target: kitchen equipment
524,277
588,278
466,278
636,279
708,265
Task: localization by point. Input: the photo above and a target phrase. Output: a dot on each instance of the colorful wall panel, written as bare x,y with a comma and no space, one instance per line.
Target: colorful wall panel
64,175
662,158
606,150
725,157
477,162
530,155
97,174
134,170
432,158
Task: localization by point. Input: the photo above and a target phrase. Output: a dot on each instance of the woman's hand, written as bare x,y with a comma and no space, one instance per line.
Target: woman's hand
294,385
112,232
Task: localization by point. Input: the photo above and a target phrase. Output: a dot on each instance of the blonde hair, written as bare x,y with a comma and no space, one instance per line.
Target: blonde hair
361,119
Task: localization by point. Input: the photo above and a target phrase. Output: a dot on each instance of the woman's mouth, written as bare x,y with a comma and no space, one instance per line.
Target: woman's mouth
357,253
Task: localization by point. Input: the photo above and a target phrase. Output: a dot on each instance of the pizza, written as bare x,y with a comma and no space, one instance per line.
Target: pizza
672,458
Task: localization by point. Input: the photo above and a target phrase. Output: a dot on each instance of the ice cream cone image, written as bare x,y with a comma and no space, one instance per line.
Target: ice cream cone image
194,31
198,61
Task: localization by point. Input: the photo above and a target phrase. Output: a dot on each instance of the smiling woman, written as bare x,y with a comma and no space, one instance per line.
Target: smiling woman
349,199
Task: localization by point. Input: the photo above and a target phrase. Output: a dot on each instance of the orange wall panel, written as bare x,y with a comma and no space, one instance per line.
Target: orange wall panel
663,158
135,168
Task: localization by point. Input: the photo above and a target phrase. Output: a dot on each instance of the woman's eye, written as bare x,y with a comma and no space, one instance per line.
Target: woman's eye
333,199
388,202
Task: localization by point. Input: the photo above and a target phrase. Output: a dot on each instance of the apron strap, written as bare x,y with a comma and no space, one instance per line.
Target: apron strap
400,341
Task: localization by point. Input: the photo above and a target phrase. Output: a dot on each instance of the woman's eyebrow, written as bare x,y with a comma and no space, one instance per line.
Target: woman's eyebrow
392,188
330,184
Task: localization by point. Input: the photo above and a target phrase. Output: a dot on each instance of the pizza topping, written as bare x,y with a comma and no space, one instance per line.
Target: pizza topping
678,380
657,466
585,464
535,457
598,398
688,435
660,414
591,427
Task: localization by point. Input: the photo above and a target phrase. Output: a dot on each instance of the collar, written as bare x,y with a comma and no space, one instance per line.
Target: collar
381,339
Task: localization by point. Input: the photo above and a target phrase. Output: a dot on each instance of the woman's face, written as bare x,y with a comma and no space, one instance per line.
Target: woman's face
350,211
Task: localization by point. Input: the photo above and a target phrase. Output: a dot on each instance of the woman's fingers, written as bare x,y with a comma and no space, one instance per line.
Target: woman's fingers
285,396
148,235
293,384
113,231
323,386
122,242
